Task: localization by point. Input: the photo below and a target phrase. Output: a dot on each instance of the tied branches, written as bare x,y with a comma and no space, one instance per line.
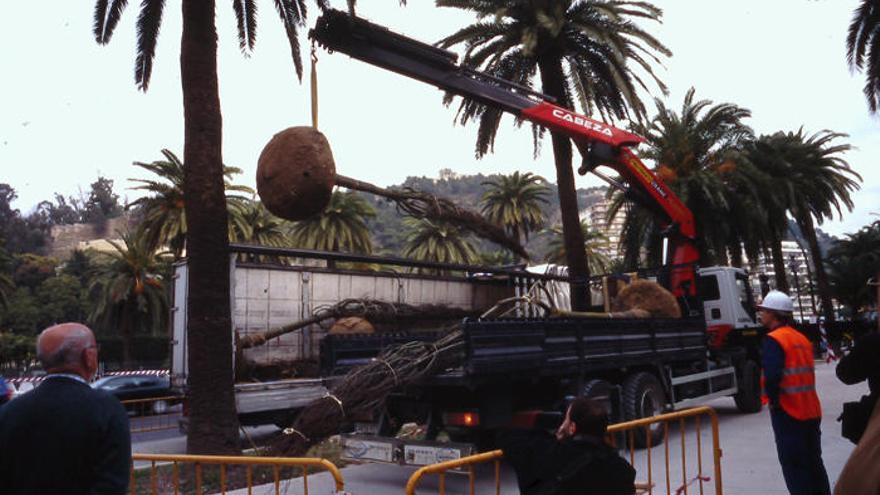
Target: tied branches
369,309
364,389
420,204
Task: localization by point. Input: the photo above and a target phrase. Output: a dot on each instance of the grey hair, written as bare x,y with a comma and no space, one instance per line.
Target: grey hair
68,353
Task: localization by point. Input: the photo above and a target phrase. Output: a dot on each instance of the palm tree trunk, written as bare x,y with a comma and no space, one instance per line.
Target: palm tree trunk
213,423
808,229
553,81
778,260
126,324
736,254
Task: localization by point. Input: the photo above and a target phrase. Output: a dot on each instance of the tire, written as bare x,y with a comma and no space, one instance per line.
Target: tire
159,407
643,397
748,397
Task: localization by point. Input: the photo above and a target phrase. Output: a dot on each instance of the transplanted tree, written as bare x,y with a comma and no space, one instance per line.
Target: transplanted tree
586,52
340,227
213,426
128,291
163,211
514,201
593,241
696,151
440,242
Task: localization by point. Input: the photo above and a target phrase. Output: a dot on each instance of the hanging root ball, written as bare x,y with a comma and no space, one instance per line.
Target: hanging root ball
648,296
296,173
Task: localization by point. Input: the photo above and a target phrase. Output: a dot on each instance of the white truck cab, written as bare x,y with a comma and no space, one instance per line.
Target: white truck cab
727,300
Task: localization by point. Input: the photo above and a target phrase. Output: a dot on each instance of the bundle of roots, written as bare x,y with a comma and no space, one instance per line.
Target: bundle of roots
648,296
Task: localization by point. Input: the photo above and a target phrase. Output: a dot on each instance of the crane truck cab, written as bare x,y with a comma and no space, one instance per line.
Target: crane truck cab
728,303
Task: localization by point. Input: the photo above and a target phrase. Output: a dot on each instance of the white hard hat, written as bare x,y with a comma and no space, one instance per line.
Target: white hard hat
777,301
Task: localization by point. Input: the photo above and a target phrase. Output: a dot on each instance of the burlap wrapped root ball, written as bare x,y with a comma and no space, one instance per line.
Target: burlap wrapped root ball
296,173
647,296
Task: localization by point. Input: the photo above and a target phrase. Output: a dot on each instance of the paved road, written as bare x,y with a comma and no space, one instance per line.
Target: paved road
749,463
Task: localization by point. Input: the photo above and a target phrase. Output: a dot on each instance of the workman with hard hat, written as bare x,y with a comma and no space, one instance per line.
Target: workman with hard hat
789,384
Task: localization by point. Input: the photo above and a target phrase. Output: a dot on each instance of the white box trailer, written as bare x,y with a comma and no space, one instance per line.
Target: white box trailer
270,294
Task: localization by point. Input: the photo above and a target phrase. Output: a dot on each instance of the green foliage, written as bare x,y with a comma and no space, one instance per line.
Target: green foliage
23,315
595,45
340,227
851,262
440,242
164,218
31,270
61,299
863,48
129,291
514,202
593,240
697,155
16,350
255,225
20,235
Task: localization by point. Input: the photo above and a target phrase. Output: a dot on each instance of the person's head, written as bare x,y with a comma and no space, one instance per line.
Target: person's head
584,417
68,348
776,310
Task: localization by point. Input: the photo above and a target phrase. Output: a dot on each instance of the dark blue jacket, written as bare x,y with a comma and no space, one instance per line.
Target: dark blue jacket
64,438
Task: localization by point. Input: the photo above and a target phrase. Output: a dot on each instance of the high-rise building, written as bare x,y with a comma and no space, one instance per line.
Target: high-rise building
596,216
801,288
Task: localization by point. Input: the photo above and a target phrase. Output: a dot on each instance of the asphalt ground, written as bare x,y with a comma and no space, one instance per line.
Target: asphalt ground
749,464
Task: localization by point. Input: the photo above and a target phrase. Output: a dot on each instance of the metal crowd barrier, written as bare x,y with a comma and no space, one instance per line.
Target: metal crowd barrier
153,414
623,436
200,474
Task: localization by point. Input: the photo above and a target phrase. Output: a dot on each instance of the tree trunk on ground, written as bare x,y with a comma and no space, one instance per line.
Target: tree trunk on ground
809,231
213,424
553,81
778,262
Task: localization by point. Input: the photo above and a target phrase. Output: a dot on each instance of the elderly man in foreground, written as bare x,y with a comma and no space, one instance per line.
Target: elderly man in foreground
65,437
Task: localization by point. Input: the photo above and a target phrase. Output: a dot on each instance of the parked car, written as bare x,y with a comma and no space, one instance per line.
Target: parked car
134,387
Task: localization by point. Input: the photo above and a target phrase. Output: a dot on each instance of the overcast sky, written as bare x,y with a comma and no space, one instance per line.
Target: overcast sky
69,109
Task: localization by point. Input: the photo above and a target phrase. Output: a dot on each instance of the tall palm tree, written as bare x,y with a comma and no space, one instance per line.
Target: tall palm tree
585,52
163,210
128,291
213,420
697,155
593,242
340,227
863,48
441,242
514,202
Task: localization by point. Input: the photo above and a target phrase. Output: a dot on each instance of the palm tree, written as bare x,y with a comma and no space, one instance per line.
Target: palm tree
593,242
440,242
697,152
213,420
163,211
514,202
863,48
128,291
340,227
584,51
256,225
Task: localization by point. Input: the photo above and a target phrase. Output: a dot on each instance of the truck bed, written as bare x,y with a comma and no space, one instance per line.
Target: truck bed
545,347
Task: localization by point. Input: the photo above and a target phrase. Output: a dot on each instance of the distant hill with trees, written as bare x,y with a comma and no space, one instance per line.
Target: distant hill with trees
388,229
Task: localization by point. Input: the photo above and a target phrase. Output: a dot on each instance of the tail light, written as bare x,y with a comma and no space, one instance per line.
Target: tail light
467,419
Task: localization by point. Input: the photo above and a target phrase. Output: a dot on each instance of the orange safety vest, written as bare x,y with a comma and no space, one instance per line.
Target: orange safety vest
797,389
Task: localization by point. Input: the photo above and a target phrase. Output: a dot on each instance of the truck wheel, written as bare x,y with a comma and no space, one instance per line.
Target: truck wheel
748,397
643,397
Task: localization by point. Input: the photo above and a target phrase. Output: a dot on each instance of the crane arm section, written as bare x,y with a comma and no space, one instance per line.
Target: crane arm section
599,143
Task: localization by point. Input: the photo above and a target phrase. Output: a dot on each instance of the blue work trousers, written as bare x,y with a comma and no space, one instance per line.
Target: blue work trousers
799,446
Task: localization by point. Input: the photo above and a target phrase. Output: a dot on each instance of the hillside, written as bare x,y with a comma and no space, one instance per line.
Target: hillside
465,190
